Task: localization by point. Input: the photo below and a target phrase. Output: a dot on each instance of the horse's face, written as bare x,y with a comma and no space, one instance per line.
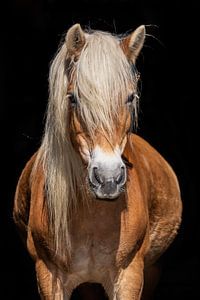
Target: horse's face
103,155
101,147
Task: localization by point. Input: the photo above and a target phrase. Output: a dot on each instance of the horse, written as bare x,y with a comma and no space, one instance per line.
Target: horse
96,203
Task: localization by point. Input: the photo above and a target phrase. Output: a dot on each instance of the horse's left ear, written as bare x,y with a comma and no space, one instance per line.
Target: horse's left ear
75,39
133,43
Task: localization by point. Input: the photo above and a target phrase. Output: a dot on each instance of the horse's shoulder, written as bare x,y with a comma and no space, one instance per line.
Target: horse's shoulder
164,185
140,152
23,195
142,146
152,162
25,177
144,150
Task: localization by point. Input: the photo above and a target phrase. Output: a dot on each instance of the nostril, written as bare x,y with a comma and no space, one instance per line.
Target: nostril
96,175
121,176
119,179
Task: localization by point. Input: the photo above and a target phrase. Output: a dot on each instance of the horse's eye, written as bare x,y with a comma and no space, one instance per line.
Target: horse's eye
73,100
131,98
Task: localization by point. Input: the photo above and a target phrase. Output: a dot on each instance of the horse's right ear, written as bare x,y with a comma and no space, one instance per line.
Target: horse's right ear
75,39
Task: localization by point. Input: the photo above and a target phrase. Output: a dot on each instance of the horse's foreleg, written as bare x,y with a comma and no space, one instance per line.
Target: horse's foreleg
49,285
152,275
130,281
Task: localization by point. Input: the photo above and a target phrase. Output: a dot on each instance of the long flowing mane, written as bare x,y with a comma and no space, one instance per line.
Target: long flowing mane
102,79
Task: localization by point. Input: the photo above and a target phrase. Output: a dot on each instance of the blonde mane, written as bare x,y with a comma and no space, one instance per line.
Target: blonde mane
102,79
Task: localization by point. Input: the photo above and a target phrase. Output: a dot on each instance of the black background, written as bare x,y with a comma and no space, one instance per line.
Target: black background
168,114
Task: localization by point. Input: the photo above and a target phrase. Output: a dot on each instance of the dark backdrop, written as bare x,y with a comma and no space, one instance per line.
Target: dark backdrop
168,116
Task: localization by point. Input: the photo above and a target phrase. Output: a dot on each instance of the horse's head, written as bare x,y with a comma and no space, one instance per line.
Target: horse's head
101,96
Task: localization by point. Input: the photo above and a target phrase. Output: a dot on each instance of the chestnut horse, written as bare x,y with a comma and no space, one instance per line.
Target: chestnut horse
96,203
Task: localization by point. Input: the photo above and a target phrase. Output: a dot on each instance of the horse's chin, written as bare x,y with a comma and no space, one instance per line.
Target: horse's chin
107,199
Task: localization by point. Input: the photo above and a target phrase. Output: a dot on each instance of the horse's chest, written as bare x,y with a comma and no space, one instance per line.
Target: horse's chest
101,241
91,257
95,241
94,246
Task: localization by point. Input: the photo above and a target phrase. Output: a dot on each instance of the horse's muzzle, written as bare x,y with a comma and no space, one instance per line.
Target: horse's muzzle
107,184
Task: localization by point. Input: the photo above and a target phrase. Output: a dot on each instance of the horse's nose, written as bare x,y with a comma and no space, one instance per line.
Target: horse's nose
101,176
120,179
109,187
108,183
97,177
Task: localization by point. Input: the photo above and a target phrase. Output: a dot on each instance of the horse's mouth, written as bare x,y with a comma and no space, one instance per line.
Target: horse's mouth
107,199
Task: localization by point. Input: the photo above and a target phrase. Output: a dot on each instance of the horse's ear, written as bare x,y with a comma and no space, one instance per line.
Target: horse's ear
133,43
75,39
